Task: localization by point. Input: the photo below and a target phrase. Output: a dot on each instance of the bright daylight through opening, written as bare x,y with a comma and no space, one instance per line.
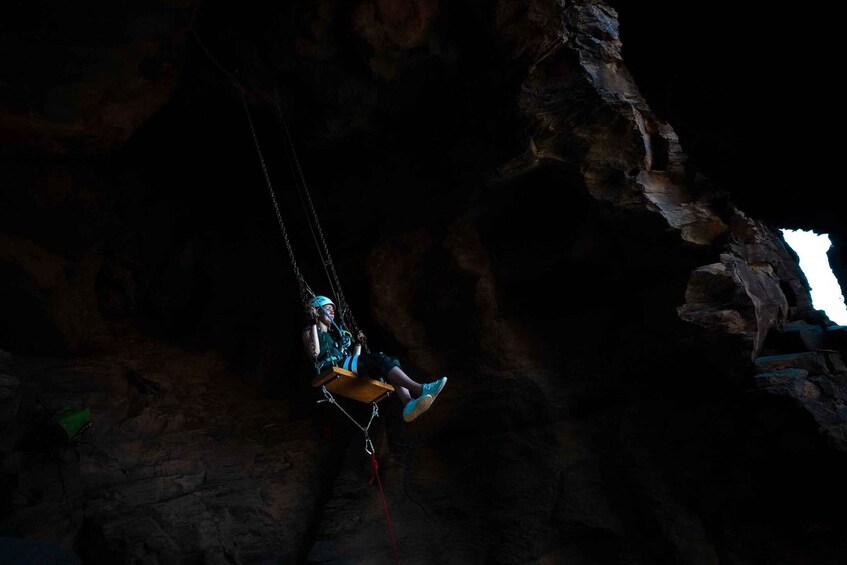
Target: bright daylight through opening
826,294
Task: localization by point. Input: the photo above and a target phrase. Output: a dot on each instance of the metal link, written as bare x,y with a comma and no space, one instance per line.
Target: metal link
346,313
300,280
305,291
374,414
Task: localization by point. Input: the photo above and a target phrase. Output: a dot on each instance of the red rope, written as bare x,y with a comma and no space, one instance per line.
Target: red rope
384,505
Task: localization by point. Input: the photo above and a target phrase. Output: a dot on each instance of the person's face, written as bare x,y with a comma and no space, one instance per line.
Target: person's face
328,313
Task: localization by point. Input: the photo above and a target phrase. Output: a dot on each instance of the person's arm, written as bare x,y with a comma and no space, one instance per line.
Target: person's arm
310,341
354,348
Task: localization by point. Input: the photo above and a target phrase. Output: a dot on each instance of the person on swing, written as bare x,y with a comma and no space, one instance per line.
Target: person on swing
322,345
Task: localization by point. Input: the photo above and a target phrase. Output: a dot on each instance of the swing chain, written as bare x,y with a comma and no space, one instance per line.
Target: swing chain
297,273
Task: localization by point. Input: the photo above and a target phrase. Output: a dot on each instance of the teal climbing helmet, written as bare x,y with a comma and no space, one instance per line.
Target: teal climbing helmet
320,302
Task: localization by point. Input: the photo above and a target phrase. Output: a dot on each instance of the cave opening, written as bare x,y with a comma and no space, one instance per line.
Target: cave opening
813,249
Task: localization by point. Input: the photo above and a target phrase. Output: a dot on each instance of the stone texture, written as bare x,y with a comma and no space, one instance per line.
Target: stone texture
90,79
637,374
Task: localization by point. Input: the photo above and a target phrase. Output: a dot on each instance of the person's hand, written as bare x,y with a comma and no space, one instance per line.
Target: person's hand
346,340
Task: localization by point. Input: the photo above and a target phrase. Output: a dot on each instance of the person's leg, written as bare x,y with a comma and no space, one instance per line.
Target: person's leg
397,377
403,394
408,391
400,380
412,408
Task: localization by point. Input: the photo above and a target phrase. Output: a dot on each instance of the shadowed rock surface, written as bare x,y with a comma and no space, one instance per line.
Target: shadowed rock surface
637,373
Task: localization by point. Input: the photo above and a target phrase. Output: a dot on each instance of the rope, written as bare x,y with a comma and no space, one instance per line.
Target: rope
345,311
369,449
340,344
374,414
300,183
228,74
243,92
384,506
304,288
300,180
302,189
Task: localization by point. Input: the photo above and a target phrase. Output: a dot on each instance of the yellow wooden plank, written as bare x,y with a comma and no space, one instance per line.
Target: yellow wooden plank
350,385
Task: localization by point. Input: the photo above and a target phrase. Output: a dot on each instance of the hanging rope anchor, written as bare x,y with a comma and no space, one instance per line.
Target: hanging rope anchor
374,414
369,449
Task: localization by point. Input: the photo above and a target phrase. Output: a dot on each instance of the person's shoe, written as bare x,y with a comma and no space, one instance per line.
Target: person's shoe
434,388
416,407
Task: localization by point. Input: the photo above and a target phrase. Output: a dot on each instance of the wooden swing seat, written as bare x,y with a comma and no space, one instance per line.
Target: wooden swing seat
350,385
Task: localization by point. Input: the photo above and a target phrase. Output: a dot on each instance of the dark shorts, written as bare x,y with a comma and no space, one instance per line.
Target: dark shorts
370,365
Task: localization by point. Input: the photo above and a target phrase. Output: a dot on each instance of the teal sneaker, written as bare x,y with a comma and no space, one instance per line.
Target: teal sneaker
434,388
416,407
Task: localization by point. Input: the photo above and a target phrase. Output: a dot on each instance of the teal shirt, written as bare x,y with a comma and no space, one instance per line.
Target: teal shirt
329,348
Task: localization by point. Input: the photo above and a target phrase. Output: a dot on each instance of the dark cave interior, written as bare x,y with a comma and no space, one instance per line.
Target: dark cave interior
191,252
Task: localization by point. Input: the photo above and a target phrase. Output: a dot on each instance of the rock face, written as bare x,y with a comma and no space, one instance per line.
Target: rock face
177,465
56,303
636,369
90,78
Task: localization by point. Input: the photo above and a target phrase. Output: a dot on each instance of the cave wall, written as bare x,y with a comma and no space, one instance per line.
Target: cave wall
635,366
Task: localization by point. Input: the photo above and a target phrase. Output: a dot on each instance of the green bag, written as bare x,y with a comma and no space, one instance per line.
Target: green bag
73,421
